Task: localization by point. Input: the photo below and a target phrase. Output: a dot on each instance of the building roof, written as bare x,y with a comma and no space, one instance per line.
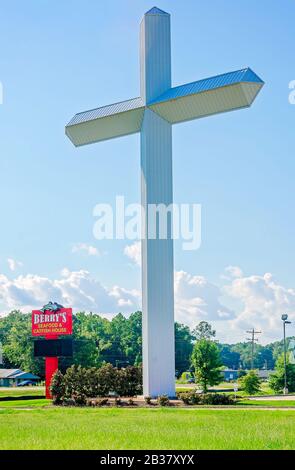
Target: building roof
17,374
5,373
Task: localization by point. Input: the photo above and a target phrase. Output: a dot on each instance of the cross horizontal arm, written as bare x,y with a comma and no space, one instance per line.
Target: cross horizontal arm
227,92
107,122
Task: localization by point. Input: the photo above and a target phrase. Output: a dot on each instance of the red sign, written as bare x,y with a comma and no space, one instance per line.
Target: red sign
52,323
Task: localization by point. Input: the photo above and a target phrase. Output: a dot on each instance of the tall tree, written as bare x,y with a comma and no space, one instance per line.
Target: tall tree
229,358
207,363
277,380
203,331
183,348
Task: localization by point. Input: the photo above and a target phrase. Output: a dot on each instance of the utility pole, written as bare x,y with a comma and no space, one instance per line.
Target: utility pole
285,322
252,340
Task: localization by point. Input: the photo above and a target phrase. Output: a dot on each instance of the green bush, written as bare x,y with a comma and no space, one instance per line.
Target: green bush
129,382
79,399
118,401
68,402
217,399
78,384
57,387
192,398
163,400
75,382
148,400
251,383
106,378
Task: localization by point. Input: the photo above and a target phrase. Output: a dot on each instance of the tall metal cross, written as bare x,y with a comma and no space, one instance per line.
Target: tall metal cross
152,114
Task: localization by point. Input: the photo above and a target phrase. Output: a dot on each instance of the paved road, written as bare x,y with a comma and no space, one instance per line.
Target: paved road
274,398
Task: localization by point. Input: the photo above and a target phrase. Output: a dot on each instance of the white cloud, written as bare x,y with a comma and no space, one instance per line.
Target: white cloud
263,302
134,252
84,247
232,272
77,289
13,264
259,300
197,299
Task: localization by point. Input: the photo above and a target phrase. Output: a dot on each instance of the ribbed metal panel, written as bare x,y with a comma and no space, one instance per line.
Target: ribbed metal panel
214,101
250,91
157,260
100,125
108,110
226,79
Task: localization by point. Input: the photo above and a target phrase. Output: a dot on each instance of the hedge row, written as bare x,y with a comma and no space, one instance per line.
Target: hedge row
79,383
192,398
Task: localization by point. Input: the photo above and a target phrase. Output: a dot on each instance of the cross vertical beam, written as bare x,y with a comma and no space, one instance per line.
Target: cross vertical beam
157,260
155,54
156,188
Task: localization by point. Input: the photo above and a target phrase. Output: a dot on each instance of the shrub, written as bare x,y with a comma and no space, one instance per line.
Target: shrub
68,402
163,400
118,401
190,398
80,383
57,387
129,381
131,402
74,382
217,399
148,400
79,399
185,397
102,402
106,378
251,383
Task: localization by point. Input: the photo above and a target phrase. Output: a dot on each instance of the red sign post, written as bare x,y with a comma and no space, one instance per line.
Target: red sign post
51,321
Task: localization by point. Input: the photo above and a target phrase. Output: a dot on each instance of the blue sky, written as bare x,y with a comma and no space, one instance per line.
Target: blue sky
58,58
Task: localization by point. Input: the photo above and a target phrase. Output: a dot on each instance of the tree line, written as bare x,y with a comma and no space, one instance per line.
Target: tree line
99,341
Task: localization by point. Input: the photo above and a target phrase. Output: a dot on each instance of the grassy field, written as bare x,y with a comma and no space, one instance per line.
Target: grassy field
269,403
77,428
226,387
35,424
21,391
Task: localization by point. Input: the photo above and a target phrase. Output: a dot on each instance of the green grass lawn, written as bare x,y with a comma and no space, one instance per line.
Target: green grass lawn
37,402
227,387
269,403
87,428
21,391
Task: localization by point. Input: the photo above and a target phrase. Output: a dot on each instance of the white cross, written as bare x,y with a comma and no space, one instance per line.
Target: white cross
152,114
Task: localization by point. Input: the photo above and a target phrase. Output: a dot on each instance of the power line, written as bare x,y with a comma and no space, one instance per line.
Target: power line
252,340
